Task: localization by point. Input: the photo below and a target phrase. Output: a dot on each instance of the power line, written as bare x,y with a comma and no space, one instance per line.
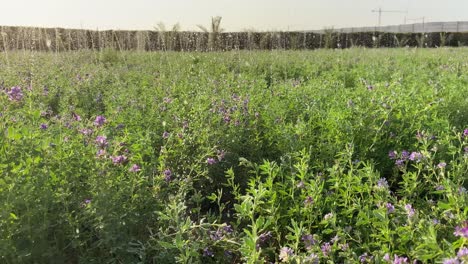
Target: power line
380,11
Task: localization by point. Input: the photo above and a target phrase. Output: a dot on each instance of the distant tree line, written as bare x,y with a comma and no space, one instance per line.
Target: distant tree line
212,39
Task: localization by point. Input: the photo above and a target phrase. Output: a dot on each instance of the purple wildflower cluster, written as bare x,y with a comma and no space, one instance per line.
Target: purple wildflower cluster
207,252
210,161
312,259
308,241
405,156
99,121
76,117
134,168
119,160
167,175
101,141
308,201
221,233
441,165
285,254
365,258
263,238
463,254
396,259
409,210
382,183
86,131
390,208
229,108
15,94
462,231
451,261
326,249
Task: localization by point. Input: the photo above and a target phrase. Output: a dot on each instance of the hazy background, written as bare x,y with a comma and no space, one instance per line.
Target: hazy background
237,14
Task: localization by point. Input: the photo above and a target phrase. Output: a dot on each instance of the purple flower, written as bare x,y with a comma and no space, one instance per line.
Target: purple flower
135,168
382,183
309,241
400,163
461,190
15,94
101,141
210,161
220,154
462,231
365,258
419,135
100,120
165,135
285,254
300,185
440,188
405,155
451,261
441,165
399,260
101,153
465,132
117,160
87,201
216,235
409,210
416,156
308,201
328,216
344,247
86,131
167,175
76,117
463,253
44,126
228,229
326,249
387,257
392,154
312,258
45,91
390,208
264,237
207,252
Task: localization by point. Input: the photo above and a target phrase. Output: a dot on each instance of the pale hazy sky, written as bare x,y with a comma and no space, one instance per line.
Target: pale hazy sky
237,14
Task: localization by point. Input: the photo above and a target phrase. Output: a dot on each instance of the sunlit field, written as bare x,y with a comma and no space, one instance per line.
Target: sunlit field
329,156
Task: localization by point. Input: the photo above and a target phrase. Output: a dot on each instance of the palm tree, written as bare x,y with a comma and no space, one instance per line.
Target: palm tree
213,35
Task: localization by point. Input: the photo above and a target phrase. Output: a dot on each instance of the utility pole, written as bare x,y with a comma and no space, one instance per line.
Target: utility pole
380,11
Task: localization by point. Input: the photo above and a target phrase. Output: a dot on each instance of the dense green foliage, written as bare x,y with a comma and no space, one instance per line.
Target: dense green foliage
341,156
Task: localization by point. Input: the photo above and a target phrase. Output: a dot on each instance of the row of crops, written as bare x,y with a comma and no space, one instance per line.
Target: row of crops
345,156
